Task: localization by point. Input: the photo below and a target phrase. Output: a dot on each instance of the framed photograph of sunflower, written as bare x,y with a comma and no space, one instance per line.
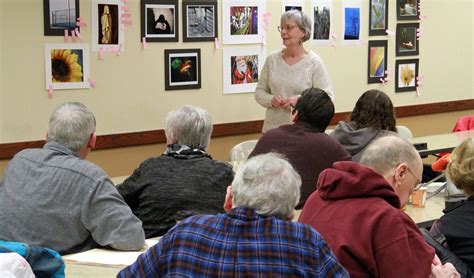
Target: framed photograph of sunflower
377,61
67,66
60,15
182,69
406,73
407,43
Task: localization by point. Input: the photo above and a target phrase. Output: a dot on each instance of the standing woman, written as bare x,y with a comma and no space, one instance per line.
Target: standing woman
290,71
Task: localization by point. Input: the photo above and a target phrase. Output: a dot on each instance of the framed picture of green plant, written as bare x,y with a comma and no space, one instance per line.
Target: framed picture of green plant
378,17
406,73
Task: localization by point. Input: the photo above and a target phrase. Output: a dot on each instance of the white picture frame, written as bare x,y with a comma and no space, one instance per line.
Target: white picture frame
320,19
230,82
117,34
352,9
68,66
241,29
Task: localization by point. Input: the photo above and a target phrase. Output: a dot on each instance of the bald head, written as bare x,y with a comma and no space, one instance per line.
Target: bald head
397,161
385,153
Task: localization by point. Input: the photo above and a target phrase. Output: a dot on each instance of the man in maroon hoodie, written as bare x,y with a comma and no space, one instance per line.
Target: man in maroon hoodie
357,210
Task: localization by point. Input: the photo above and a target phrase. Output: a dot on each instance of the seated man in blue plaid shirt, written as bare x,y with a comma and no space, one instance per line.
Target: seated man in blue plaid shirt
254,238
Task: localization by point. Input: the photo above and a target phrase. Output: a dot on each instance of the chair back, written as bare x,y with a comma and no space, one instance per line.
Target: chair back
464,123
241,151
404,132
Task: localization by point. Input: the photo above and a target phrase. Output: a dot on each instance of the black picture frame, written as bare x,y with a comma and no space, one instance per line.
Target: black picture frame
159,20
63,17
407,43
200,20
376,7
408,9
406,75
182,69
376,71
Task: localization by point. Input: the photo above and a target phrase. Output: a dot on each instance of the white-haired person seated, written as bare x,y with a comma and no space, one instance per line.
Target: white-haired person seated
457,226
255,238
181,182
53,197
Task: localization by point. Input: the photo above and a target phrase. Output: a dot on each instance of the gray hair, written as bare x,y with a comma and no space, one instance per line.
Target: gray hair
71,125
301,19
385,153
268,184
190,126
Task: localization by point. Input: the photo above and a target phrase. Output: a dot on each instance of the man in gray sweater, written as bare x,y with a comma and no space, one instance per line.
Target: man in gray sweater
54,198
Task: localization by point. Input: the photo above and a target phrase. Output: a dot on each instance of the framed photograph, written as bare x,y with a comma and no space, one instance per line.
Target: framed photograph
67,66
199,20
407,43
241,68
321,11
377,61
242,21
406,73
159,20
60,15
378,17
107,31
351,17
182,69
408,10
287,5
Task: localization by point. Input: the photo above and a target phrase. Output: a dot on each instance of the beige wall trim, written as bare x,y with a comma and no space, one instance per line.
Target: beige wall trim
8,150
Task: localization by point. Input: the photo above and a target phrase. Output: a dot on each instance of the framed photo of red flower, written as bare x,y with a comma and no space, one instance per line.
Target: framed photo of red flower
182,69
406,73
67,66
60,15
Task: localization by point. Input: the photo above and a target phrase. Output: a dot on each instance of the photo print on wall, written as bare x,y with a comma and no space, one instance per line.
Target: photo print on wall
322,21
107,33
182,69
351,17
242,21
407,43
378,17
287,5
377,61
242,67
159,20
406,73
60,15
199,20
408,9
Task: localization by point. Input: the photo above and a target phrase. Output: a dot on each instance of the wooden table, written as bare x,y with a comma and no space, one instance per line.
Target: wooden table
442,142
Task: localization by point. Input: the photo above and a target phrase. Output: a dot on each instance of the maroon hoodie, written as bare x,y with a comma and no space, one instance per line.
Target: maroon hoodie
359,216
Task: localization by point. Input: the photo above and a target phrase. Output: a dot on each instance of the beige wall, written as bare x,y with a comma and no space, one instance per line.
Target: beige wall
130,92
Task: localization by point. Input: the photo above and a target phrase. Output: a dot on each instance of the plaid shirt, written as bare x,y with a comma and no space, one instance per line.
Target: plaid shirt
240,243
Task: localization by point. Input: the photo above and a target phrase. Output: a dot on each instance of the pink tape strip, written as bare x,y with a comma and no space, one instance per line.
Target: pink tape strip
73,35
144,45
78,34
391,33
91,82
333,44
125,1
50,91
126,21
216,43
66,35
382,80
418,93
124,8
126,15
100,54
334,35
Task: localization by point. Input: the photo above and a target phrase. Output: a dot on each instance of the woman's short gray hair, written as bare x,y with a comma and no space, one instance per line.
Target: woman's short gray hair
268,184
190,126
71,125
301,19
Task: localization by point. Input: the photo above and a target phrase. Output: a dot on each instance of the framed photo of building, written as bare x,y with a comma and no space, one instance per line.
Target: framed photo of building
408,10
107,31
377,61
159,20
182,69
60,15
378,17
242,21
67,66
407,43
406,73
199,20
241,69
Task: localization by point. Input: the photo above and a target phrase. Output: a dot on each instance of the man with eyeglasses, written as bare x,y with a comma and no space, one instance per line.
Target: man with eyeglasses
357,209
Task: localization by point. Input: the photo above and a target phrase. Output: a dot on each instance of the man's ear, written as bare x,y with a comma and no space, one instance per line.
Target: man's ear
228,199
294,116
92,141
400,173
